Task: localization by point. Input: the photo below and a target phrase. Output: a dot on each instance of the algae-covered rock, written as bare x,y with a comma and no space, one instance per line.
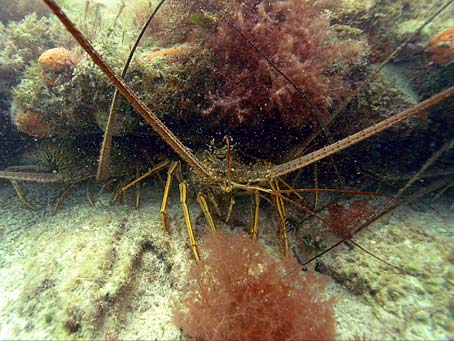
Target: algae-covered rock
441,47
57,65
61,108
16,10
126,120
22,43
388,23
175,81
69,91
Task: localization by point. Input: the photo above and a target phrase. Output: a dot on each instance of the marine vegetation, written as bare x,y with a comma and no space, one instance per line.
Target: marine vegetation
296,39
234,79
244,292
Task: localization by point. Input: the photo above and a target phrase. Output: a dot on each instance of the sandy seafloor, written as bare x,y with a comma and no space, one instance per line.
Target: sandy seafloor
112,273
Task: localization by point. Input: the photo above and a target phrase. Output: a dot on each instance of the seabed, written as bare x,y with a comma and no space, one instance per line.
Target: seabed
111,272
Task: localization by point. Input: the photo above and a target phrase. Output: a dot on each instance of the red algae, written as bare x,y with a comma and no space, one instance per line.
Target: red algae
243,292
295,35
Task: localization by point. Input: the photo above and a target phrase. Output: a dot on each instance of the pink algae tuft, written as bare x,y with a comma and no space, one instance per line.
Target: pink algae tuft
295,35
241,291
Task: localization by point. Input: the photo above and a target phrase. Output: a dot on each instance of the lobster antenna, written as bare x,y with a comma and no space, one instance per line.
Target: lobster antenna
158,126
103,172
374,74
359,136
385,210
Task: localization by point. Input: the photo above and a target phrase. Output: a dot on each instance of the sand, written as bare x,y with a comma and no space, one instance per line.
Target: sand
111,272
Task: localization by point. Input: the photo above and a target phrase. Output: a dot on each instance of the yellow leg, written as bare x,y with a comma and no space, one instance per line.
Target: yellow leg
286,184
206,211
315,187
155,169
183,198
230,208
296,178
253,229
150,161
117,194
106,186
165,197
214,202
21,195
279,203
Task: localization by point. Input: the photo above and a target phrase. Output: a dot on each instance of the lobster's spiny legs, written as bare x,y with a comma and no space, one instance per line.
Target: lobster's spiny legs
21,195
155,169
280,209
253,229
137,187
63,196
183,198
206,211
165,197
215,204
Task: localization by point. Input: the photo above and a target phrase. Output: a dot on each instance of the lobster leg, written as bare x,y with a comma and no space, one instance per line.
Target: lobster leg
150,161
183,198
253,229
279,204
165,197
118,193
21,195
137,187
63,196
206,211
214,203
230,208
155,169
89,194
123,188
